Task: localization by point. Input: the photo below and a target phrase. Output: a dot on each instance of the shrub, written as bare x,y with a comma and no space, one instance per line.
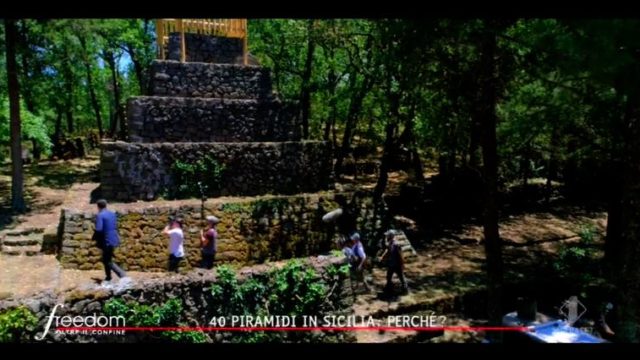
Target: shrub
17,325
193,179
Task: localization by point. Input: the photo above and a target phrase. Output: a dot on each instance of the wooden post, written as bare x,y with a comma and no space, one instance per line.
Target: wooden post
244,42
160,38
183,51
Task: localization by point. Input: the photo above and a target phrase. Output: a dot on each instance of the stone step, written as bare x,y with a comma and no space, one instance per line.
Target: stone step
199,79
22,240
183,119
25,231
21,250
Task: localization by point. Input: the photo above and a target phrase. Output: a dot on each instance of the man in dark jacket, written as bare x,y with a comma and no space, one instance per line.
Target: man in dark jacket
107,238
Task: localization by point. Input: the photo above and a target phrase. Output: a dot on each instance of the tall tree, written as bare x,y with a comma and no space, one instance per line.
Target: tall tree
118,119
17,178
359,91
67,74
305,88
627,272
487,120
90,84
27,89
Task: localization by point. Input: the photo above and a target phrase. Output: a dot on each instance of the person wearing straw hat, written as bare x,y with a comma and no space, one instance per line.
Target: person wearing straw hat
208,242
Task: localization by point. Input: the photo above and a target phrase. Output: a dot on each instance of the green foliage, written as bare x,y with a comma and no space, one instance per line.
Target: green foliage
17,325
227,293
192,178
578,259
338,271
588,233
233,207
336,253
294,289
61,61
189,337
165,315
268,207
33,127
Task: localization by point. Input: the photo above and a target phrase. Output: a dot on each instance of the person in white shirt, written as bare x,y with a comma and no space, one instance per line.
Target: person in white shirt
176,244
358,259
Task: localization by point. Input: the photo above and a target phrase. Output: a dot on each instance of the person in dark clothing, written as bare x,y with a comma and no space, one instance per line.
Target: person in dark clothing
208,242
395,262
107,239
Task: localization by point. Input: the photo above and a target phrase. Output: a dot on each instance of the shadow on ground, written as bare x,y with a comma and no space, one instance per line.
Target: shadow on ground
62,175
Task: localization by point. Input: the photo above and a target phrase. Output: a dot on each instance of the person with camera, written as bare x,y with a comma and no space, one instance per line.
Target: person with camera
176,243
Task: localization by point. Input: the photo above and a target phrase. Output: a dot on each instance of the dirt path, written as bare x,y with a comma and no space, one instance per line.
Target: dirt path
445,266
452,266
48,185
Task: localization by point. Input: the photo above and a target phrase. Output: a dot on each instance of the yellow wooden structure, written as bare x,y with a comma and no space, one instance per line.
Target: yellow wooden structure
233,28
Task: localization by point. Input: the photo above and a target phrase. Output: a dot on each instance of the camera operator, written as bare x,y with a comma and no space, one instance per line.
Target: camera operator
176,243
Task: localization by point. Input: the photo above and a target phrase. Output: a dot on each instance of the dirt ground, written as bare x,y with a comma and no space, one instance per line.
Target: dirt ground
47,185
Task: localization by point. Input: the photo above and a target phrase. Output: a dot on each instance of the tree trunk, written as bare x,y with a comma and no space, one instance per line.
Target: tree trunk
145,72
452,142
416,163
119,114
137,68
407,138
37,151
113,120
525,167
614,216
92,92
69,116
474,143
443,166
552,165
57,134
389,143
622,247
331,121
332,84
27,93
487,119
387,154
17,179
305,88
352,119
67,74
